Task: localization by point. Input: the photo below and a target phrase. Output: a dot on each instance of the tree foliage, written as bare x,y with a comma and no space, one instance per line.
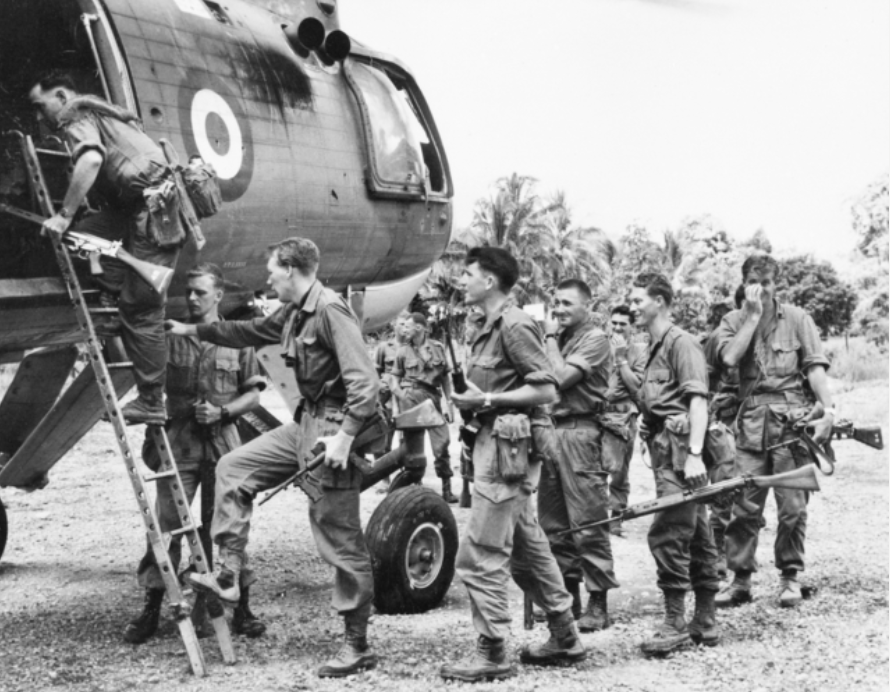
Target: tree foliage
816,287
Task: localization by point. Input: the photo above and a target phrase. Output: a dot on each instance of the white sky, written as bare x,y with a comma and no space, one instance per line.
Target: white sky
772,113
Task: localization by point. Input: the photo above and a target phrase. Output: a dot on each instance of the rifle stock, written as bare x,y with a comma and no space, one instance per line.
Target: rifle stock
870,435
803,478
155,275
470,426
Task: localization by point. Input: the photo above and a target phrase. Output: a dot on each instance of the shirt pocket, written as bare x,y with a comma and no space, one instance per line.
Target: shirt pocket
304,347
225,373
181,375
785,362
656,381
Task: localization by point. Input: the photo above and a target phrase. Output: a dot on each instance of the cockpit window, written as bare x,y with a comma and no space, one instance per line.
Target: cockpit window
394,128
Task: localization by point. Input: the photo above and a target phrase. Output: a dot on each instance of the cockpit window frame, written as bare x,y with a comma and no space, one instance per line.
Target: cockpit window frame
378,186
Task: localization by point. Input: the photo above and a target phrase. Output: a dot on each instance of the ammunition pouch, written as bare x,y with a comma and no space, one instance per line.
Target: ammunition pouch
165,227
202,187
512,432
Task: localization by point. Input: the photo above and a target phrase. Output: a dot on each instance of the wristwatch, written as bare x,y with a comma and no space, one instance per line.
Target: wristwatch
550,336
224,416
486,402
830,409
693,452
65,213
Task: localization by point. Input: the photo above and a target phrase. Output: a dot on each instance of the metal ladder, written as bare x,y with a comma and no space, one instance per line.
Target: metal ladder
167,471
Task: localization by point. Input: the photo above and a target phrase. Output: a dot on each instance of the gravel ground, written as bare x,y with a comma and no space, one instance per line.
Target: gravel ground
67,590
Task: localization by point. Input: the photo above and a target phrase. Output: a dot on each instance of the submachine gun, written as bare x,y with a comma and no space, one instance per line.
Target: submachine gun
470,426
89,247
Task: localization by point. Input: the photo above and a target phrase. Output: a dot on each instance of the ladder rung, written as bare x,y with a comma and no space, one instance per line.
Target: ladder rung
104,311
119,366
184,529
157,476
53,152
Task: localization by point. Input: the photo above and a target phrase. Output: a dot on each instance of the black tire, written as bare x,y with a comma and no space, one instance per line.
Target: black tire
412,538
4,528
405,479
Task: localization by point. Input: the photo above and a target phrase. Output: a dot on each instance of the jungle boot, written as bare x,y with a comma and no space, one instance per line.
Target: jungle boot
596,617
147,408
790,594
447,495
563,646
736,593
673,633
143,627
703,627
243,620
224,581
354,655
487,662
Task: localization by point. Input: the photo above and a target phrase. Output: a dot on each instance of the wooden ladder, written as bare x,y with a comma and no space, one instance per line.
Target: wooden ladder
167,472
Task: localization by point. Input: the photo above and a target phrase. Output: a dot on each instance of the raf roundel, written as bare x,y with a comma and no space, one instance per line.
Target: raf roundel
215,126
227,162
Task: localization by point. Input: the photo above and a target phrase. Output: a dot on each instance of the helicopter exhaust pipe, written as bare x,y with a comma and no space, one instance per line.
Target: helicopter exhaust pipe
338,45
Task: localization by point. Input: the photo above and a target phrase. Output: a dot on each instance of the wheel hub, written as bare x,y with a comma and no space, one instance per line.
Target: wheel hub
424,555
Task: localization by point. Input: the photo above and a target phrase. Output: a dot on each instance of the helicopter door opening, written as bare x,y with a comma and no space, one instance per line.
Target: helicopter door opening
36,37
404,158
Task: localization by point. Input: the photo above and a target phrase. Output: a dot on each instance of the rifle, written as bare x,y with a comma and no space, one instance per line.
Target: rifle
89,247
803,478
470,427
842,430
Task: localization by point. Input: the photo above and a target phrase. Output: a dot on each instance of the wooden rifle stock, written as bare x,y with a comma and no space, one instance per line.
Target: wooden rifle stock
468,430
803,478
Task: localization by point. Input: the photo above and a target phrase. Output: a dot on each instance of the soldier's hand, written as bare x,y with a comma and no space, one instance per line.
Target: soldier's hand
695,471
753,304
619,346
57,224
448,414
822,428
207,414
337,449
472,398
178,328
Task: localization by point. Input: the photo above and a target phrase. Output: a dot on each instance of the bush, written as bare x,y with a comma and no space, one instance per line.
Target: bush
862,361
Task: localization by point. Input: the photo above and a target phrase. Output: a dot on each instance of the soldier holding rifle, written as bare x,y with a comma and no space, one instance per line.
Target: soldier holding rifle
775,346
112,156
321,340
673,399
209,387
574,484
509,379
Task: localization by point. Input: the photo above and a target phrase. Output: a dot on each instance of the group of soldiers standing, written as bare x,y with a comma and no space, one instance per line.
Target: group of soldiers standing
558,412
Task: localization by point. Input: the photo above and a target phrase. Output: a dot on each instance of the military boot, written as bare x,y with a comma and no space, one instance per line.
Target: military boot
147,408
736,593
139,630
596,617
243,620
447,495
354,655
223,581
790,594
563,646
487,662
703,627
673,633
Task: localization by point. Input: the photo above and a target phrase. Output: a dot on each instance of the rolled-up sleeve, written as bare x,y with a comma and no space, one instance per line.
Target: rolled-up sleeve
524,348
729,327
340,330
811,352
690,366
257,332
83,135
593,352
249,375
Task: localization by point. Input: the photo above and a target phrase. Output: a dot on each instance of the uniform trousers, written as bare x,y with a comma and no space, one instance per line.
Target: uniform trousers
743,530
503,538
141,307
574,491
617,453
680,538
335,519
